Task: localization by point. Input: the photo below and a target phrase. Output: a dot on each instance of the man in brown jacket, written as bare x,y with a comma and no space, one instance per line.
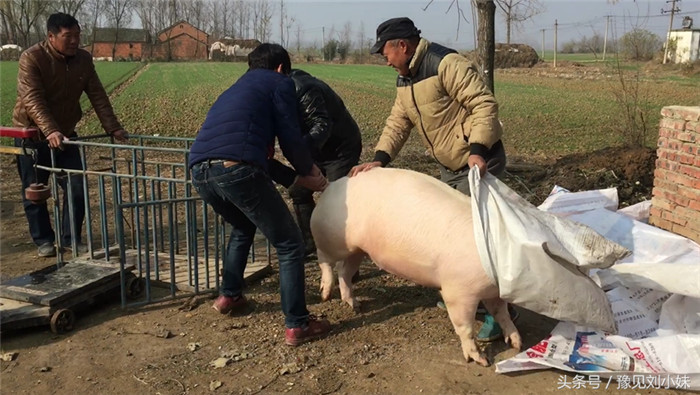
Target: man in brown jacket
52,76
441,94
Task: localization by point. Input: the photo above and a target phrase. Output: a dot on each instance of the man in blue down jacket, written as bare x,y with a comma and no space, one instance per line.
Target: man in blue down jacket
229,163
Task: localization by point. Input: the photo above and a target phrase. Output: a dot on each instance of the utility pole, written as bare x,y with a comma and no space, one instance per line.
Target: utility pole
605,40
556,26
673,10
542,30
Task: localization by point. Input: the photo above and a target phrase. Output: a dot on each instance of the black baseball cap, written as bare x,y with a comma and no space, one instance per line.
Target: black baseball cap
392,29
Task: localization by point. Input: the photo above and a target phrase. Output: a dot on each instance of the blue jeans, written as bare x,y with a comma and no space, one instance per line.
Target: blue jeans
38,214
246,198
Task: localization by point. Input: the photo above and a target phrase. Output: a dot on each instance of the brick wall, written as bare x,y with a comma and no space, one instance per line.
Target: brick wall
128,51
675,202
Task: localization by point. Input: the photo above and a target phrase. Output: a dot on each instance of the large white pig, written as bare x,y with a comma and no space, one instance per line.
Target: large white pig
413,226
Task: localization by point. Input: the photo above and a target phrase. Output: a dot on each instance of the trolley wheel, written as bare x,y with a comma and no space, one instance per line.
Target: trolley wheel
62,321
134,287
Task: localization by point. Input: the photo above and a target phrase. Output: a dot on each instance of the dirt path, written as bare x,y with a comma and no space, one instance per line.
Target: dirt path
400,343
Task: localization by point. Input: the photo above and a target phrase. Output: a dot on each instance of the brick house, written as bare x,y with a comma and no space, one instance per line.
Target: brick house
110,43
181,41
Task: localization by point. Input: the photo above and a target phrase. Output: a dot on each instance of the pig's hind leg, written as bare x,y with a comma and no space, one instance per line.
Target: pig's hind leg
325,262
346,269
498,308
462,309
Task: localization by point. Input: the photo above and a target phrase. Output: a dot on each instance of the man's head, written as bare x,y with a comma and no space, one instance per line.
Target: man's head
271,57
63,33
397,39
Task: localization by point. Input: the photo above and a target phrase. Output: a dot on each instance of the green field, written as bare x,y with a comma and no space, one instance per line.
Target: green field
542,114
111,74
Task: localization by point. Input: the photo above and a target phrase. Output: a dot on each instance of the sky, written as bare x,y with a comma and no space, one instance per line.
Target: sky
575,18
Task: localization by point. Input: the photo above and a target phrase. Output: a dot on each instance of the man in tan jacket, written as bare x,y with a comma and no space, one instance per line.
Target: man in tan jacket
441,94
52,76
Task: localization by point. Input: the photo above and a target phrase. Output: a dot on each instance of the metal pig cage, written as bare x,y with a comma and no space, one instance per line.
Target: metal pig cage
142,213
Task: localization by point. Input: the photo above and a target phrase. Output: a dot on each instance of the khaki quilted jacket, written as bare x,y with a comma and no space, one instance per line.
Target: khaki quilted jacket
447,102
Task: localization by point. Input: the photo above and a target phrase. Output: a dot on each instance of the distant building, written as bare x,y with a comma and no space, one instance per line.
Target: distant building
118,44
181,41
229,49
687,43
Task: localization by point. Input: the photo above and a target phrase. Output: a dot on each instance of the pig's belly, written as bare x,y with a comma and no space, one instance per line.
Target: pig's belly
420,272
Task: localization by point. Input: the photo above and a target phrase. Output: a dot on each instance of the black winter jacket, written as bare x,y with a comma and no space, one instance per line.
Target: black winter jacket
326,124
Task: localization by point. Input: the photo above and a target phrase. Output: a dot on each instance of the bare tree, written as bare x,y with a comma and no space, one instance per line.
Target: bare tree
21,17
118,16
262,16
243,21
95,8
361,38
70,7
299,36
515,12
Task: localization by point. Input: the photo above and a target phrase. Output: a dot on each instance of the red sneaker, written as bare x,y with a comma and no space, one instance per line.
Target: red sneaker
225,304
313,330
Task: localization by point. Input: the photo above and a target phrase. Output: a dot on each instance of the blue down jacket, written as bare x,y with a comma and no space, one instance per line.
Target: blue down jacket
245,120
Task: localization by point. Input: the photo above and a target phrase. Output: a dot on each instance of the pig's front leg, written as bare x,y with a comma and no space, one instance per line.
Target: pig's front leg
498,308
346,269
462,309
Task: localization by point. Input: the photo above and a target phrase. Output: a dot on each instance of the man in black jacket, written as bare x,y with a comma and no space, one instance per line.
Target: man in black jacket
333,137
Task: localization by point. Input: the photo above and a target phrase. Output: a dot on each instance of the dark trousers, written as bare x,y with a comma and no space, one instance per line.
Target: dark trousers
245,196
37,214
459,180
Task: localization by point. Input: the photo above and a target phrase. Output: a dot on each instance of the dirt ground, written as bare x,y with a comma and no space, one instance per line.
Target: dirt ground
399,343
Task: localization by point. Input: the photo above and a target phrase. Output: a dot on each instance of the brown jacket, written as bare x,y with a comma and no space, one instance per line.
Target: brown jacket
49,86
447,102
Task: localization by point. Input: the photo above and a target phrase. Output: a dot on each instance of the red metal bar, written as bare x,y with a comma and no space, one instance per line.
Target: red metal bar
23,133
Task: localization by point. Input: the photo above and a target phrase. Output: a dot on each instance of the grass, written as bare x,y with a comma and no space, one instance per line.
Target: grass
543,116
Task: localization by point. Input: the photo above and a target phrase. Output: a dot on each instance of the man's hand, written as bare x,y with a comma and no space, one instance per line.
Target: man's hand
121,135
315,181
363,167
56,139
477,160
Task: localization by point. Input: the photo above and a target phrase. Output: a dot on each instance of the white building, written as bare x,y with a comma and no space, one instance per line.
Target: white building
687,43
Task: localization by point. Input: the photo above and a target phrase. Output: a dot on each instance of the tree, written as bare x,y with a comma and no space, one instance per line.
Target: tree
262,16
119,16
70,7
21,17
640,44
515,12
345,42
486,38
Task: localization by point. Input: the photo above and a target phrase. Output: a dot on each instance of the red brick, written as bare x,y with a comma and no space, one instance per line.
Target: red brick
662,204
692,127
689,170
682,112
655,211
686,159
694,205
671,123
660,223
691,215
675,198
673,217
668,133
666,185
690,193
685,232
688,137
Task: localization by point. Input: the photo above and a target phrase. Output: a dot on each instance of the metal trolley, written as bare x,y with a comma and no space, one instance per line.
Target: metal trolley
149,235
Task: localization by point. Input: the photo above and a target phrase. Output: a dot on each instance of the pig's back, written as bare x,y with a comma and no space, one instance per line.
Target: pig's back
396,215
